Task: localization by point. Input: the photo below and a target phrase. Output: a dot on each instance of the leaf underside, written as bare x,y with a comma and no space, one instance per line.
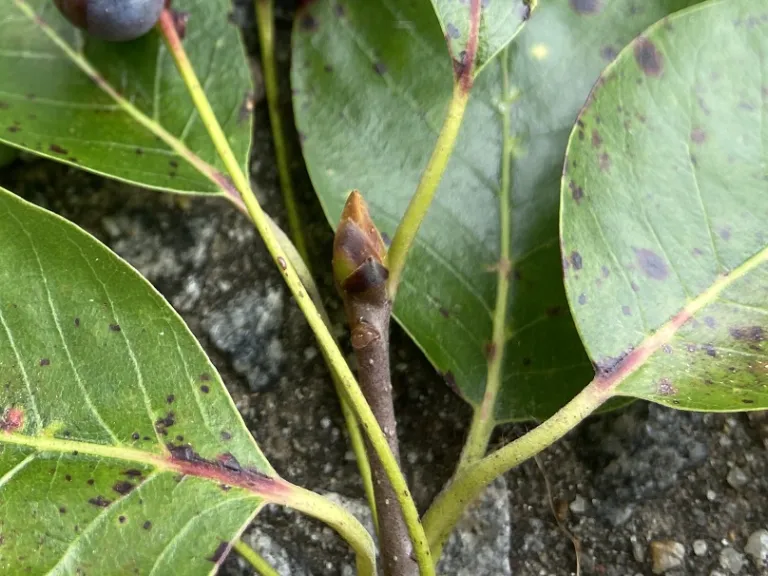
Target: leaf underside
50,107
499,22
665,199
117,436
370,97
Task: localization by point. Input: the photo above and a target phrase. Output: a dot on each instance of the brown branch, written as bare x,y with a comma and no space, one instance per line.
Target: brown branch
358,267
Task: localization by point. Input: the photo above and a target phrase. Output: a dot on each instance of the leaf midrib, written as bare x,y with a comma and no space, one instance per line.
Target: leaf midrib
651,344
159,462
52,444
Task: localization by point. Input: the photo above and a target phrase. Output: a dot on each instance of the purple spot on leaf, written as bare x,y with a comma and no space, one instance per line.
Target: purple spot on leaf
576,260
652,264
648,58
666,388
586,6
698,135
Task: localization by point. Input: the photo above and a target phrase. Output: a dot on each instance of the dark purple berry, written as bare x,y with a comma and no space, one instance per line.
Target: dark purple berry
114,20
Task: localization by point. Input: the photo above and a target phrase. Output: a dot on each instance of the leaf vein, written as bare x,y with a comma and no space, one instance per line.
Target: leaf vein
191,381
173,542
57,323
8,476
67,557
129,348
24,375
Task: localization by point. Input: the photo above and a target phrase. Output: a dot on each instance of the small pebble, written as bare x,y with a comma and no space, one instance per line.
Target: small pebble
666,555
757,547
699,547
711,496
638,550
731,560
579,505
619,516
737,478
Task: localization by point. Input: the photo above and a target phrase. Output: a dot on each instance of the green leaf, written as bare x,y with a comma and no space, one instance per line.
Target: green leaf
370,97
500,20
50,106
664,207
120,449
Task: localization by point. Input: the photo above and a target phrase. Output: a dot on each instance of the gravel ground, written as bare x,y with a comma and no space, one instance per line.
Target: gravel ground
643,488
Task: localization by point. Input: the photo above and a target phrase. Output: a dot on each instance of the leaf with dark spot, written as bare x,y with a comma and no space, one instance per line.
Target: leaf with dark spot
454,18
122,487
648,57
651,264
577,193
84,411
685,306
100,501
586,6
72,112
12,420
748,333
219,553
698,135
165,422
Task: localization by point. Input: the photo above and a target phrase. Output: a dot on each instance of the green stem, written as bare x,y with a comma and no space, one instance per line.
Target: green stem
338,518
425,192
255,559
418,207
483,421
325,340
448,507
353,428
357,440
266,25
465,487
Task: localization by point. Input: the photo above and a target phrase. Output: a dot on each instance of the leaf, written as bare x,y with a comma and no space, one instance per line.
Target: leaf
370,97
120,450
500,20
665,247
50,106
